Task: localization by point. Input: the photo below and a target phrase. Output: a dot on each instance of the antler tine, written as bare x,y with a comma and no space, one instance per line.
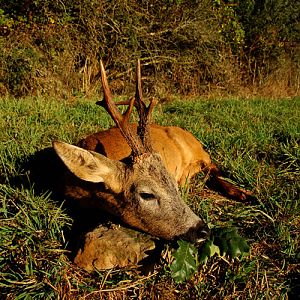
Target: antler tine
143,111
138,88
121,120
107,101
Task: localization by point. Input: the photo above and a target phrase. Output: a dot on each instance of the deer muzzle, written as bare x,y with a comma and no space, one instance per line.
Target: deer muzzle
197,234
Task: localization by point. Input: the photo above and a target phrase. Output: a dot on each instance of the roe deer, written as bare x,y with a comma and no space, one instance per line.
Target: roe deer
132,170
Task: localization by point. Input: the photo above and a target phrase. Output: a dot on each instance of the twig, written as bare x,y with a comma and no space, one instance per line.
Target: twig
121,288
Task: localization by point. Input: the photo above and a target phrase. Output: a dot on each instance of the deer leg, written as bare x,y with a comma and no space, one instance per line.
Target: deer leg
219,183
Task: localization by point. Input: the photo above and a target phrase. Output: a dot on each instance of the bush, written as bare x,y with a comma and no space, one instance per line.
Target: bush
271,37
187,47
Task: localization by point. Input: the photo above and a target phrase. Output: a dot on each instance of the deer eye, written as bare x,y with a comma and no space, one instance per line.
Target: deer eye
147,196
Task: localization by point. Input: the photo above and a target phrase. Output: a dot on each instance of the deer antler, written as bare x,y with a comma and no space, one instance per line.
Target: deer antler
139,142
121,120
143,111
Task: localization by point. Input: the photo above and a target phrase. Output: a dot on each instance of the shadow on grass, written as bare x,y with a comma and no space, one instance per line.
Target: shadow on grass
294,282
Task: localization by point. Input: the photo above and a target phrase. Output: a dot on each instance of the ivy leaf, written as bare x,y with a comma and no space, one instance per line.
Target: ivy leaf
230,242
185,262
223,241
208,250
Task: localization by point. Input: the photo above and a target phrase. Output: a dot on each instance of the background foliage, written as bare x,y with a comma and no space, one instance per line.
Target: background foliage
187,47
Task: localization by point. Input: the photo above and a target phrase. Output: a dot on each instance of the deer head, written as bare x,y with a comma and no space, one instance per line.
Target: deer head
139,189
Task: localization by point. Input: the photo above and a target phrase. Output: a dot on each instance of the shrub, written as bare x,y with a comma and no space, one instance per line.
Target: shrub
186,47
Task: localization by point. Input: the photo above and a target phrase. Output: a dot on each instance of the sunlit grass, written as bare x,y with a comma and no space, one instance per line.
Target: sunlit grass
255,143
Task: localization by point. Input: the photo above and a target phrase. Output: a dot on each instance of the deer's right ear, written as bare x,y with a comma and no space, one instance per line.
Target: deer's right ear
91,166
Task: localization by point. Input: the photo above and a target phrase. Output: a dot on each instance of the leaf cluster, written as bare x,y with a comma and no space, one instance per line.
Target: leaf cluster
222,242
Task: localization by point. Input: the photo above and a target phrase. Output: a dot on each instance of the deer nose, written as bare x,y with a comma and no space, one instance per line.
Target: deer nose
197,234
202,233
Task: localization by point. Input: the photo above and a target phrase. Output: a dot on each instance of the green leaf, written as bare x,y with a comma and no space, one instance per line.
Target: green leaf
223,241
208,250
185,262
230,242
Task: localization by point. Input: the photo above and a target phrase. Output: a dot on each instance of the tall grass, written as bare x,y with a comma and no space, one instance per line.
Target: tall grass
256,144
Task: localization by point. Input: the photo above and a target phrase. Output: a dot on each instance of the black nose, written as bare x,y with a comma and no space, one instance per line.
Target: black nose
202,233
197,234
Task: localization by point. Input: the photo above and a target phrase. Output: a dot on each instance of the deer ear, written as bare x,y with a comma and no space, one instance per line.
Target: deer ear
91,166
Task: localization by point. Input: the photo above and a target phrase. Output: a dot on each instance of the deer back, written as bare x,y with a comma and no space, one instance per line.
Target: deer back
182,154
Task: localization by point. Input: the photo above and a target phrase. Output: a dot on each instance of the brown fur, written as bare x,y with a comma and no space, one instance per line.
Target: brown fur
182,154
141,192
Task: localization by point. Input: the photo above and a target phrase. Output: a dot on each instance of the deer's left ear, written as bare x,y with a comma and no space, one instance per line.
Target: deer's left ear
91,166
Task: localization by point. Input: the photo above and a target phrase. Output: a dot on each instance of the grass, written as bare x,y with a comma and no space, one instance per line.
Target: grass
256,144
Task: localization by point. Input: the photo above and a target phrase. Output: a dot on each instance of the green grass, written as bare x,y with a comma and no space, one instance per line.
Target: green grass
256,144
